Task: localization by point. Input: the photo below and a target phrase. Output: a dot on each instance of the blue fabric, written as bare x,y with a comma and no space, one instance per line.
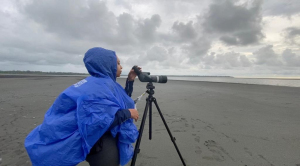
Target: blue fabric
82,114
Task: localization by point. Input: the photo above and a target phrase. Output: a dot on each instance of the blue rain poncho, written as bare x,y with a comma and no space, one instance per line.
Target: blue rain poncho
82,114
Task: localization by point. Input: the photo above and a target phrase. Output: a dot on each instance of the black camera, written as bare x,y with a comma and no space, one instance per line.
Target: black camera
146,77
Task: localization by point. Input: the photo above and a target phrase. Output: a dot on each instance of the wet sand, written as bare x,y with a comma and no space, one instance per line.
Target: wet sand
214,123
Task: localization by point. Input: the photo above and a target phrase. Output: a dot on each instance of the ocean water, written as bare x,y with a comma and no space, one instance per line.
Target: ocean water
291,82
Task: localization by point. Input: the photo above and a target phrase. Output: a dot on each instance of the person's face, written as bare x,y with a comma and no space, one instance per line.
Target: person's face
119,67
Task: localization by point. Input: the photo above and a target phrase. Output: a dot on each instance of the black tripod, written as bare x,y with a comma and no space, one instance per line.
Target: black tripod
149,100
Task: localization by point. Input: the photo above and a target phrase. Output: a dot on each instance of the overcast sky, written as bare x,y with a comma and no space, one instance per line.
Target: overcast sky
180,37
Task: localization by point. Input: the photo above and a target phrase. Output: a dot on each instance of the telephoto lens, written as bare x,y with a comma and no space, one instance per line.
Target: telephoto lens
146,77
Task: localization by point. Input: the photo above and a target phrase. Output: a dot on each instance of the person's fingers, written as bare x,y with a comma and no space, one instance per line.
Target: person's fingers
134,114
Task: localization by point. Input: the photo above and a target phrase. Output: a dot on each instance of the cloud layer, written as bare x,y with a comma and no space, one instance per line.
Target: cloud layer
182,37
235,24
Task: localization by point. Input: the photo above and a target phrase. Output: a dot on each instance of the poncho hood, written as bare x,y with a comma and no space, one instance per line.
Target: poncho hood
101,62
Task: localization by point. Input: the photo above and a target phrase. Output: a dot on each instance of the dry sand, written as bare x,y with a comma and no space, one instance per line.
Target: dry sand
214,123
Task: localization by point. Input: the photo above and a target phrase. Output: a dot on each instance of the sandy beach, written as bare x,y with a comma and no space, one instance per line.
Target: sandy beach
215,124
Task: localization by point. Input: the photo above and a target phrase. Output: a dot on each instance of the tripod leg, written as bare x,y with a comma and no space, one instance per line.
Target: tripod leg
170,134
137,145
150,118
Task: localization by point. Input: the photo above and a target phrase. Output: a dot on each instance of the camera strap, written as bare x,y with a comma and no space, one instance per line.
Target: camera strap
138,99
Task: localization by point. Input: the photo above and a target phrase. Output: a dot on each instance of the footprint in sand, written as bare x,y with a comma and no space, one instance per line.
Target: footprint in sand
198,150
217,149
184,121
197,139
248,151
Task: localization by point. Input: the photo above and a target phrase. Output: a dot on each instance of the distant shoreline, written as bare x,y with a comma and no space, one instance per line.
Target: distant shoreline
197,76
38,75
14,75
271,78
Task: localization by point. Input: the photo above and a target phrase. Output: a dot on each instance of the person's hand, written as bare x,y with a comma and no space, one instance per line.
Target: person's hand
132,75
134,114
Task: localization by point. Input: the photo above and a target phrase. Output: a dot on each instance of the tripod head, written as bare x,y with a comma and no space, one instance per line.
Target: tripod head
150,88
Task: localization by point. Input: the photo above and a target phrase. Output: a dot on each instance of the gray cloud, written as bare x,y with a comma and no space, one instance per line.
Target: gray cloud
186,37
184,32
290,58
157,53
245,62
73,19
267,56
136,34
227,60
293,31
52,58
197,49
291,35
146,30
126,29
159,57
92,20
237,24
52,32
262,59
287,8
229,40
175,59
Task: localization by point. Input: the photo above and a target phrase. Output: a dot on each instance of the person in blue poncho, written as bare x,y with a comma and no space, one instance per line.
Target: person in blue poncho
91,120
